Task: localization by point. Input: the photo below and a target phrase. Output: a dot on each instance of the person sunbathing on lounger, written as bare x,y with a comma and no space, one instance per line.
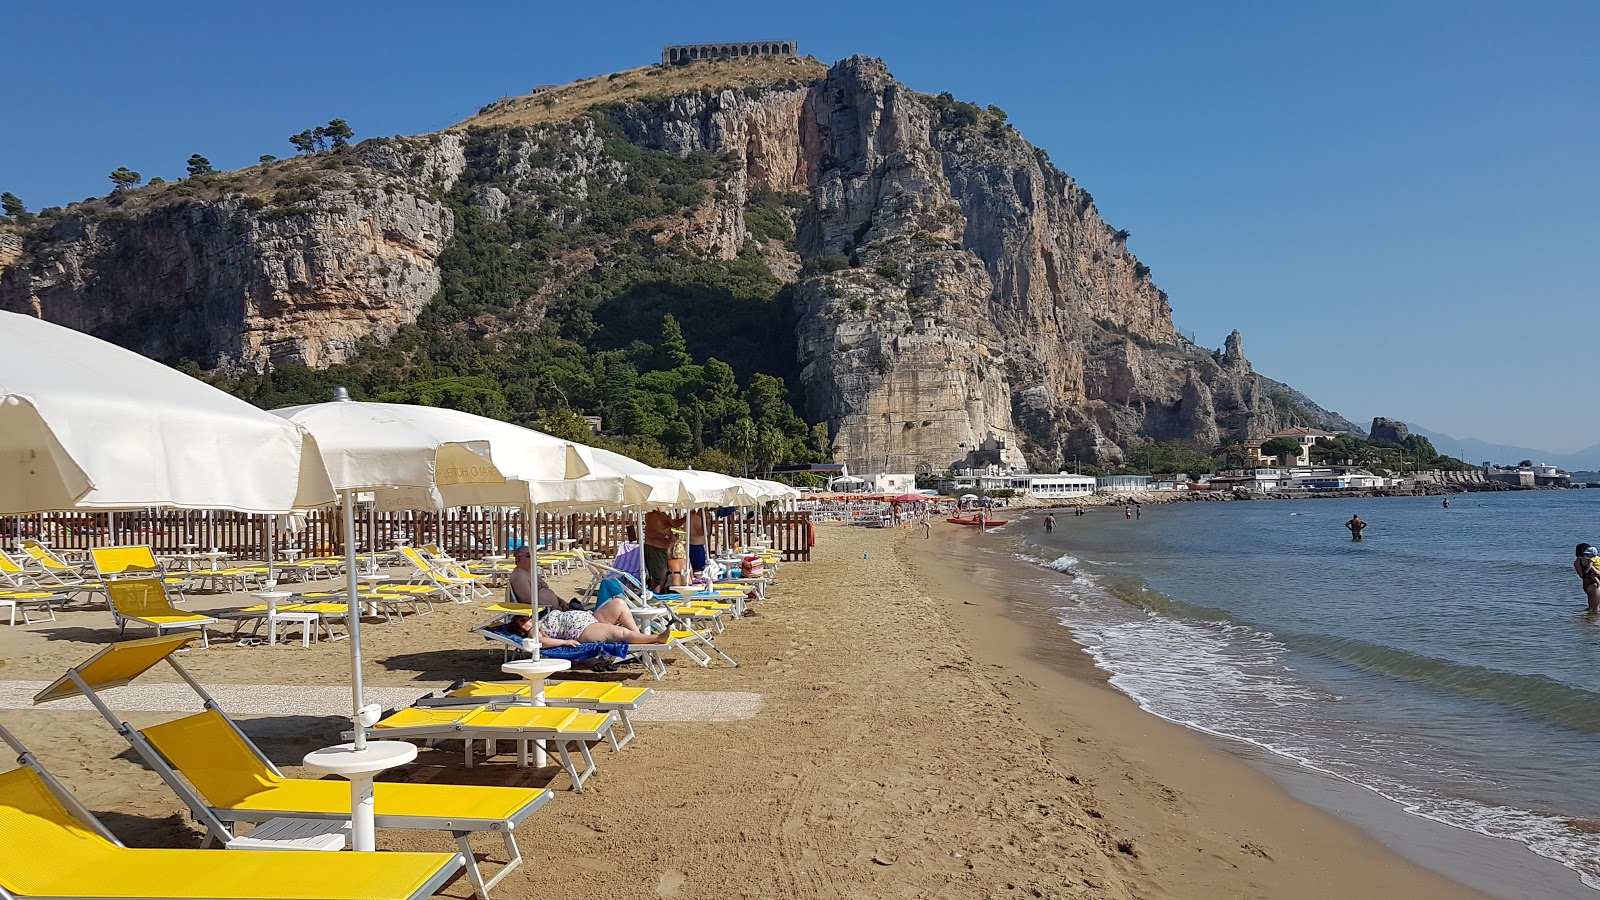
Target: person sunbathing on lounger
571,627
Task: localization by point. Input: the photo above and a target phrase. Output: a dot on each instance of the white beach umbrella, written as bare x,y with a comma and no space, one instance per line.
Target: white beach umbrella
418,457
88,425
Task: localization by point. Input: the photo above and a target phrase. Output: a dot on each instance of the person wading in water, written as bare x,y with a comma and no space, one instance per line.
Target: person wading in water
1356,526
1588,568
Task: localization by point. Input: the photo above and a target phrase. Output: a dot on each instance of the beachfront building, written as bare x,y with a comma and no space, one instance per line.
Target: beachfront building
1256,481
1112,484
889,484
1056,487
1307,438
1335,480
1059,486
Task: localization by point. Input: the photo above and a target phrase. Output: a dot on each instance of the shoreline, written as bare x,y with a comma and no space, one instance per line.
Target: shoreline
1212,824
1478,864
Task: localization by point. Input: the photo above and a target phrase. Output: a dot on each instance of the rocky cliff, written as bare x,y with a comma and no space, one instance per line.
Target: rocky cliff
947,287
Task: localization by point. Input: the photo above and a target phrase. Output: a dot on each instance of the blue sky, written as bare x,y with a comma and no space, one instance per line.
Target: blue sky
1398,204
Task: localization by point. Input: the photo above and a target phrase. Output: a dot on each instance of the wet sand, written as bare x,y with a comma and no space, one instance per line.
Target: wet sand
916,736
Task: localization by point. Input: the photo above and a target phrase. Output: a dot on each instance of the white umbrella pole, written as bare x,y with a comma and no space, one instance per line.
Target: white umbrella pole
272,534
111,529
644,572
533,552
353,586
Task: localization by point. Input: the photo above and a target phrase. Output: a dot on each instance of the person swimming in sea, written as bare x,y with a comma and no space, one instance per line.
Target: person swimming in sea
1588,568
1049,522
1447,503
1356,526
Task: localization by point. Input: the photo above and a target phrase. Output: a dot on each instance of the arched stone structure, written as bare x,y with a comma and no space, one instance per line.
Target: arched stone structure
683,54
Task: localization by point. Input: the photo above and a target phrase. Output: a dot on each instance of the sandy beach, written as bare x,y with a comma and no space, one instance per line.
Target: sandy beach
914,735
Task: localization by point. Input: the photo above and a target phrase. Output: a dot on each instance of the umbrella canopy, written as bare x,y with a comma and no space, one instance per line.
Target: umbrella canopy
717,489
909,498
425,457
88,425
614,482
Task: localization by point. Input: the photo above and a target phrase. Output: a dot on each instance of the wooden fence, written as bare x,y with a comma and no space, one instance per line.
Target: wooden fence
463,533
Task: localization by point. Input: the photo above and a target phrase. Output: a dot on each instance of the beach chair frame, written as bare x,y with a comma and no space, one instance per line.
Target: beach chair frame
86,818
219,822
688,640
123,617
521,694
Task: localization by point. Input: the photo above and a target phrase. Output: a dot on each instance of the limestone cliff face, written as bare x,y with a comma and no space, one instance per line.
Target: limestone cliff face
230,283
953,290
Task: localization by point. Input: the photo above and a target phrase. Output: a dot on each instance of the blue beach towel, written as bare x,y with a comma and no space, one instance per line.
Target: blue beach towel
587,651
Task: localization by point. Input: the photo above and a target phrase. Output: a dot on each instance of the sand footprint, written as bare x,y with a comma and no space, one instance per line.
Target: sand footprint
671,881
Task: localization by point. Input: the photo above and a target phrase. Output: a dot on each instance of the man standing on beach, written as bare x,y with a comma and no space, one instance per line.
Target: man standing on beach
1049,522
657,539
1355,525
927,529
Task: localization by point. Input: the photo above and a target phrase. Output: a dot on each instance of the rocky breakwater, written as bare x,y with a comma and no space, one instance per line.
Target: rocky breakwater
242,271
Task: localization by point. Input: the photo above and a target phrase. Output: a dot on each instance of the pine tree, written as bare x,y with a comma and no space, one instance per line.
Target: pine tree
304,142
199,165
673,351
124,178
12,204
338,132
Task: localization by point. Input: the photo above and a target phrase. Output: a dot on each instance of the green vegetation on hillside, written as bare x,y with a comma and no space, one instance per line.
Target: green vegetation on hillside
1415,453
685,359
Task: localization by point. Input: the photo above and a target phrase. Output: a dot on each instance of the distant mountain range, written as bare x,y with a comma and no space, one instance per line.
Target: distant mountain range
1473,450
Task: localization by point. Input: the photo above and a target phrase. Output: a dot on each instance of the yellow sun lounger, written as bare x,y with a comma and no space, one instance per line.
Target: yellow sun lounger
53,573
456,581
59,850
224,779
133,561
597,696
144,601
563,728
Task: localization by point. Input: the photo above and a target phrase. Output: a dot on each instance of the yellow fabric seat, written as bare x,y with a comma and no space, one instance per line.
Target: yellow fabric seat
563,728
594,691
210,754
54,854
144,600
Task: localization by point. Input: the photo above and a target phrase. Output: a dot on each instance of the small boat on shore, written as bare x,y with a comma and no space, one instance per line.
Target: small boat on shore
974,521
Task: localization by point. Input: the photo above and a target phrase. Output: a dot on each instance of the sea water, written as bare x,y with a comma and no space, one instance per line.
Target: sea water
1443,662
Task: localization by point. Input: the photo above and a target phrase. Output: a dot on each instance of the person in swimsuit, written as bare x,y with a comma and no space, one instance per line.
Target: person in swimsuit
1588,568
1049,523
571,627
1355,525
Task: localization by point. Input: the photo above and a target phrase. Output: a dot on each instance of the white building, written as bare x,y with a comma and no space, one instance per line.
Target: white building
1045,487
1110,484
890,484
1054,487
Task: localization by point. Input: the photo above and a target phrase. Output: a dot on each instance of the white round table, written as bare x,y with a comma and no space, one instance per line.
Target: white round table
536,671
361,766
307,620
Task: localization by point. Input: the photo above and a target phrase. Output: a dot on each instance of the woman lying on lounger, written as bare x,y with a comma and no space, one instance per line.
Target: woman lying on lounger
571,627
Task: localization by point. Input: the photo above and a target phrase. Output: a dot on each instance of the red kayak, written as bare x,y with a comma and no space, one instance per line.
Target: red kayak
987,523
